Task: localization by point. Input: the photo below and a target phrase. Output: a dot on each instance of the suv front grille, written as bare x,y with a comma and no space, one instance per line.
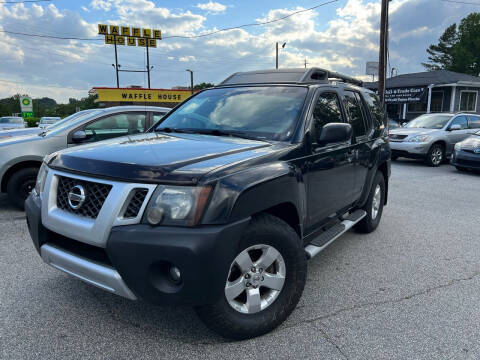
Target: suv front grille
395,137
135,203
95,195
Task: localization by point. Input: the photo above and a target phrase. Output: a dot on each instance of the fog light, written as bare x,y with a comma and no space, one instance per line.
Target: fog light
155,215
175,274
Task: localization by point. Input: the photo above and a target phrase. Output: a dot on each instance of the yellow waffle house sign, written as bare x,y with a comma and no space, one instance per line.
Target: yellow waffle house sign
129,95
130,36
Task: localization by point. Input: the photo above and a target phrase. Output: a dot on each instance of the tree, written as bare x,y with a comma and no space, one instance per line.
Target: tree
441,55
202,86
458,49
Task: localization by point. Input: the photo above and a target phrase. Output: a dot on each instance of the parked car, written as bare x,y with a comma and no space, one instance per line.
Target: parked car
21,157
221,204
46,121
38,130
393,124
466,155
431,137
11,122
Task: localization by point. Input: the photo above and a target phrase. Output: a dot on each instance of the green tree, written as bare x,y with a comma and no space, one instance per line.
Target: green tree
441,54
458,49
202,86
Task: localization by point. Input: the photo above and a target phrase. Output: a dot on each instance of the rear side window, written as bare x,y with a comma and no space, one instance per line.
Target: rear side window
327,110
474,122
460,120
353,106
375,107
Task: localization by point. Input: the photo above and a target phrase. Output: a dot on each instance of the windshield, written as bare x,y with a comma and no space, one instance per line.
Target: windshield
49,120
66,122
260,112
11,120
429,121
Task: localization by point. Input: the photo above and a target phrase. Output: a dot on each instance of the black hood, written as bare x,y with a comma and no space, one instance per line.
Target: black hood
153,157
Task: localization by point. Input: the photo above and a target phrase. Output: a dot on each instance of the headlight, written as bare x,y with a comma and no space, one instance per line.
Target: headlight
176,205
41,177
458,147
419,138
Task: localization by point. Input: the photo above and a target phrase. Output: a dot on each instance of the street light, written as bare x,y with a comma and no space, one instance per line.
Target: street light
276,58
191,80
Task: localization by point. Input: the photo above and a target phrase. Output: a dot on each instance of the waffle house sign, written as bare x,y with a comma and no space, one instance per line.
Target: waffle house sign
108,95
130,36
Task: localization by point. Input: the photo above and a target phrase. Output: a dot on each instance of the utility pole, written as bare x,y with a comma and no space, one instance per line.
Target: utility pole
191,80
383,50
306,63
276,56
276,51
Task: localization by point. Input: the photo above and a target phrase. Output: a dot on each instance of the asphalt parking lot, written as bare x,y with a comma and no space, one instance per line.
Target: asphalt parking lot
408,291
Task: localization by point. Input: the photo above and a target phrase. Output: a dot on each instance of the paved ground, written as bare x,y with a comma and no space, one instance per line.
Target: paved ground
408,291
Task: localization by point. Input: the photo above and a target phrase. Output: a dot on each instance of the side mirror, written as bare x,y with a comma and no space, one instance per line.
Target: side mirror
455,127
79,136
335,133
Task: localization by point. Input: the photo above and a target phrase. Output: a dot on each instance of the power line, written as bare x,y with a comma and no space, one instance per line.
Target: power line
252,24
50,36
462,2
21,2
175,36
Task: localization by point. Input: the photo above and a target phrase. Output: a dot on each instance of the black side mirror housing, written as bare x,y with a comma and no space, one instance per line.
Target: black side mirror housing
335,133
79,136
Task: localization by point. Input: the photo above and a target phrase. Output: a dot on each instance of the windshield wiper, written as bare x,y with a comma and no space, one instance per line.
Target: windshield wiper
216,132
173,130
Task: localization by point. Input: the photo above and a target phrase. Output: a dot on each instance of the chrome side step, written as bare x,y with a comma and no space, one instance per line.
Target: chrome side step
332,234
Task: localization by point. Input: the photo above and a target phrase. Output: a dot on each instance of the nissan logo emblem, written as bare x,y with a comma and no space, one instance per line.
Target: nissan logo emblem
76,197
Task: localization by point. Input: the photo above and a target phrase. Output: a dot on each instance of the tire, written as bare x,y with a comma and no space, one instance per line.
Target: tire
374,206
231,319
394,158
462,169
20,185
436,155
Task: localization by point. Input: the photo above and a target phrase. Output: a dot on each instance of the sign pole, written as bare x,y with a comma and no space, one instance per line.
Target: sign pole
148,65
116,59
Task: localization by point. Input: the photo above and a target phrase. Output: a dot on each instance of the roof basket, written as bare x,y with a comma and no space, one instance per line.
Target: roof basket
289,76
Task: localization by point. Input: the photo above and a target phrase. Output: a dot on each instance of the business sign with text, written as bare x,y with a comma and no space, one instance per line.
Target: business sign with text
405,95
130,36
26,106
140,95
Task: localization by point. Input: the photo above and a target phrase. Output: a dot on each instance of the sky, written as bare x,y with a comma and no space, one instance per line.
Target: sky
342,36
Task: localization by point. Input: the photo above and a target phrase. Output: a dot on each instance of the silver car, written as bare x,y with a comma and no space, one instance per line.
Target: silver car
11,122
38,130
21,157
432,137
46,121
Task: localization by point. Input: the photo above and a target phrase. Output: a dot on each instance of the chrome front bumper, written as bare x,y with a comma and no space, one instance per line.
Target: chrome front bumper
86,270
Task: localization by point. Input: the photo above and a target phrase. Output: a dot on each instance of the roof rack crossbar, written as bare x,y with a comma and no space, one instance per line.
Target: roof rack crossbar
292,76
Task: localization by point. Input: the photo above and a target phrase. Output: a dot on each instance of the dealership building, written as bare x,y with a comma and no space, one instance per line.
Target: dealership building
410,95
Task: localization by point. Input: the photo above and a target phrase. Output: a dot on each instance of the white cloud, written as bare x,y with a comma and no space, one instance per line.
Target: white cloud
84,8
212,7
344,43
105,5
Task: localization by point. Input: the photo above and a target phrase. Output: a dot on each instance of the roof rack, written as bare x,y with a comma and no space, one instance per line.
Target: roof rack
289,76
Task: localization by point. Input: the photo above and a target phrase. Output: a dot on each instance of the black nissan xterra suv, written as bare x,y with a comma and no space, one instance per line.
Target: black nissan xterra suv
222,203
